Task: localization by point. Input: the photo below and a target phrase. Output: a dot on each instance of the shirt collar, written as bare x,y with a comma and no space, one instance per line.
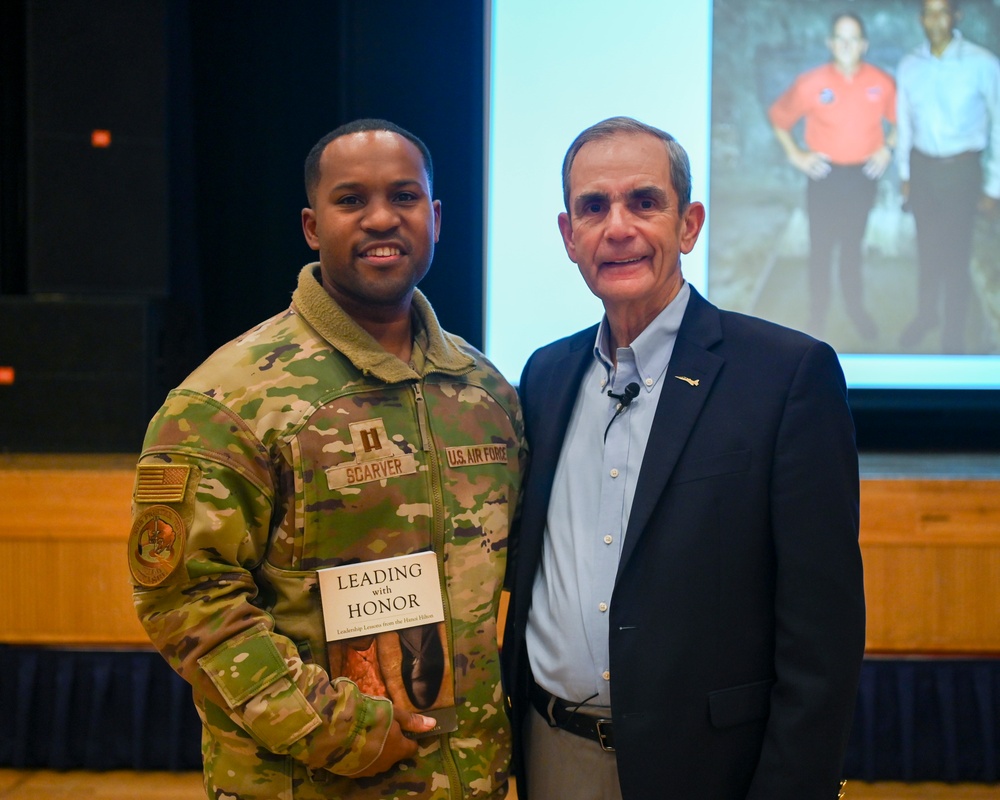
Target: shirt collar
951,51
653,347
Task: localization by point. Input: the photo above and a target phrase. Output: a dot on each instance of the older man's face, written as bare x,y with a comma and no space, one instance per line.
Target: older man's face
624,229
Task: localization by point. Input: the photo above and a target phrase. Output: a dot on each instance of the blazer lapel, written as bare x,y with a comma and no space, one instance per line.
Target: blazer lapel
688,381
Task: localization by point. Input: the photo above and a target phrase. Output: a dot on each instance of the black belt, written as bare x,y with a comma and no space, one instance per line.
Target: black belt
559,714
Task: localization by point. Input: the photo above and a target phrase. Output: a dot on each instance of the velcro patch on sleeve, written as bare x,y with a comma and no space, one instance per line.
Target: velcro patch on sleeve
248,669
244,665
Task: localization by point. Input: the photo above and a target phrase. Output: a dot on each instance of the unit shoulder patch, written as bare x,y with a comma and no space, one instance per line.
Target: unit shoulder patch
156,545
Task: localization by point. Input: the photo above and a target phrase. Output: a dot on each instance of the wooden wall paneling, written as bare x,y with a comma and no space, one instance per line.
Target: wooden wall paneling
64,525
931,551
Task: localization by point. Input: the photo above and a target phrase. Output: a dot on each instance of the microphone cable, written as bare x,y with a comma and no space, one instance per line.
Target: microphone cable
624,401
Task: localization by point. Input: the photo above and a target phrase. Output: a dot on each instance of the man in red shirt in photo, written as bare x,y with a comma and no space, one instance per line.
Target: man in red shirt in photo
848,107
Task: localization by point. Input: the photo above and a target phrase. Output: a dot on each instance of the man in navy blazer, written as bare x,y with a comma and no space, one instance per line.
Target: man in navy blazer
687,612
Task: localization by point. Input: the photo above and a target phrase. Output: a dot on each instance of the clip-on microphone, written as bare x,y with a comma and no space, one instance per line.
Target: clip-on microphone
624,400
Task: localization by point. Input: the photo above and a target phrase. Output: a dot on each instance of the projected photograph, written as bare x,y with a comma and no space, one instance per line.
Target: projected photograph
833,212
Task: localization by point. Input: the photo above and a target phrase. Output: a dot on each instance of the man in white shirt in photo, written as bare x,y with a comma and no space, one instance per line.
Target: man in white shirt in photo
948,157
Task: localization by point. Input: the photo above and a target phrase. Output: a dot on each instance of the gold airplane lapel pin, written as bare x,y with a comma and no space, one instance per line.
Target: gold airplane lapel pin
686,379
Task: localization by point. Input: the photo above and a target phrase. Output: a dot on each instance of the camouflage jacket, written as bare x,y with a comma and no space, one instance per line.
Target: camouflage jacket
303,445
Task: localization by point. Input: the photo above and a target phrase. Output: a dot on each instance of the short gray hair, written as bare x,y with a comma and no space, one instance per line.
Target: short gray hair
680,165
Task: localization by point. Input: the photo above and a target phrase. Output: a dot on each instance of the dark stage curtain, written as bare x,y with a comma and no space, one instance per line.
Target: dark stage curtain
916,719
926,719
95,709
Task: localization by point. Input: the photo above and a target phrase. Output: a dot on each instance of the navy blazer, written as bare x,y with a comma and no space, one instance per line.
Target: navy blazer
737,618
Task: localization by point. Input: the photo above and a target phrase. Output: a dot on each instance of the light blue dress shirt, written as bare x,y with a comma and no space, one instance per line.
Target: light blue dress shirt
950,105
592,492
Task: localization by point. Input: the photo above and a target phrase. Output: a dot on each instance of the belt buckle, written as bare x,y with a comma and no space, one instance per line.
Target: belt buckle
603,737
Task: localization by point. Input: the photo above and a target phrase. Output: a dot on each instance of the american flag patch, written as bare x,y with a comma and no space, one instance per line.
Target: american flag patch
156,484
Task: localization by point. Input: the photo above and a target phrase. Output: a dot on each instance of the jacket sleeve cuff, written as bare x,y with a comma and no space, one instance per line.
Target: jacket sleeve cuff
370,719
330,724
253,678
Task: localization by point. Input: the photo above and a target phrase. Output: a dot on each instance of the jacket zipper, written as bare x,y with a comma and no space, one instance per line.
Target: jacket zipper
437,543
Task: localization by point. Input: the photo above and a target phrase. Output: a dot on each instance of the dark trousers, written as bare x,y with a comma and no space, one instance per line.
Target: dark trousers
944,194
838,208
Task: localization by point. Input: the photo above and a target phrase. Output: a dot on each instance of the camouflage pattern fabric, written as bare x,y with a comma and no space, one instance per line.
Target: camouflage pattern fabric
302,445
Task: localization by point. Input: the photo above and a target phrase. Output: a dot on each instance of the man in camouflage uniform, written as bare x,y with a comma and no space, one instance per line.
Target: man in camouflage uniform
348,429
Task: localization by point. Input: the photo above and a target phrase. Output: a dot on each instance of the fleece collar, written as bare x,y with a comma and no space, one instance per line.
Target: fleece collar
441,350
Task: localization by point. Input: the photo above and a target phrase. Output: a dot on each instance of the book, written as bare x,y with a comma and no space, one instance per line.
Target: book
385,630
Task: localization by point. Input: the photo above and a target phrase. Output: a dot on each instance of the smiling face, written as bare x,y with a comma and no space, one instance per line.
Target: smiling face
372,221
847,45
624,229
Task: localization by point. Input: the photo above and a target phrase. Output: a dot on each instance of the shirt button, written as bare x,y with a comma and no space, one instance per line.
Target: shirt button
606,675
649,381
614,473
602,606
608,539
604,382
